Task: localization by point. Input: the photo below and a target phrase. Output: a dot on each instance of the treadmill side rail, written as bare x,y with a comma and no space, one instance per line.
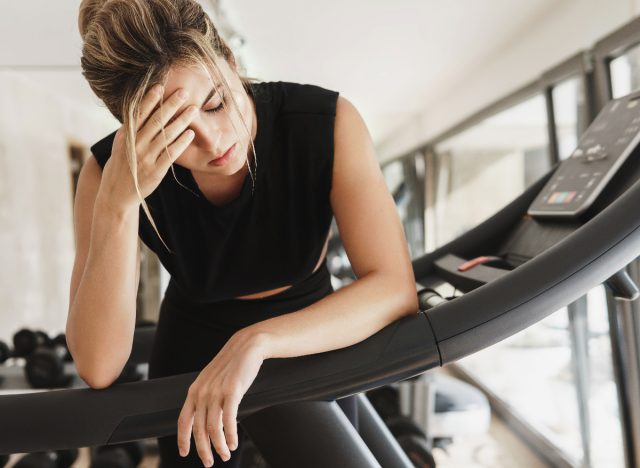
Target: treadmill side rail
62,419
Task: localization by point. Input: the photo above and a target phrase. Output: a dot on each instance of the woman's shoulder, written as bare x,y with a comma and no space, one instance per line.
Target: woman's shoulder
101,150
298,98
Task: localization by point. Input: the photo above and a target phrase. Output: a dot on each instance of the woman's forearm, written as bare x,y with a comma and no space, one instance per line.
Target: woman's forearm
102,316
341,319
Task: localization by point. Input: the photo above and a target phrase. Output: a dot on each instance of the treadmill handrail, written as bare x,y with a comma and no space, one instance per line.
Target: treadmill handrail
62,419
553,279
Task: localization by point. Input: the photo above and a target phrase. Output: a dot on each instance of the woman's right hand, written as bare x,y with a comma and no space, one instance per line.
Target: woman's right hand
153,161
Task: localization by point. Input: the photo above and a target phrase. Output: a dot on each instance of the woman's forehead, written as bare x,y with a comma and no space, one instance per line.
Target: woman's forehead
189,78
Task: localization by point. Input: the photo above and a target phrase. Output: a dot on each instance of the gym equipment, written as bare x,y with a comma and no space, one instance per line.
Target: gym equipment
45,358
51,367
47,367
5,352
440,407
412,440
49,364
127,455
57,459
551,262
61,340
25,341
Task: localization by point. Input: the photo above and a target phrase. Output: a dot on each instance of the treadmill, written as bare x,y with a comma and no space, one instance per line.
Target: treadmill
575,228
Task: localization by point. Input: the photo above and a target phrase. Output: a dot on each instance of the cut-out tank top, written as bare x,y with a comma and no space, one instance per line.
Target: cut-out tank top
259,241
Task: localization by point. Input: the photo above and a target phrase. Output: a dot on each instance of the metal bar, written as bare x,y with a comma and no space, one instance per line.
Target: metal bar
579,333
620,363
554,156
378,438
313,434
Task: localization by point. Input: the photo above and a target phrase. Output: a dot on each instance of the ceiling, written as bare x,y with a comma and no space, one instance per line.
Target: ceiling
390,58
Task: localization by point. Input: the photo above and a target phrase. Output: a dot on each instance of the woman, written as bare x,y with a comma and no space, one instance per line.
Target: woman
240,222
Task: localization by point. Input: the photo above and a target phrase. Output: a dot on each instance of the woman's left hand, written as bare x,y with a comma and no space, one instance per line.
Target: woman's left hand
213,398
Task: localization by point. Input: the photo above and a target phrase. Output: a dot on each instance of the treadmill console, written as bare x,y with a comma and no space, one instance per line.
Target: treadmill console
602,149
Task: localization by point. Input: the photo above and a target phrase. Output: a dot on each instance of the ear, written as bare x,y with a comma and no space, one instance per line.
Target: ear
232,63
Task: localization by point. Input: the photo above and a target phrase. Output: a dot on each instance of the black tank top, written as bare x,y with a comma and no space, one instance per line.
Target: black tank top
259,241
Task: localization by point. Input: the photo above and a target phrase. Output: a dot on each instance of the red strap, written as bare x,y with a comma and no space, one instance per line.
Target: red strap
475,262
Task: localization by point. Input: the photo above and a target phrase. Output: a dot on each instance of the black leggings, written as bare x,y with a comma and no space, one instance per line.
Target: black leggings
189,335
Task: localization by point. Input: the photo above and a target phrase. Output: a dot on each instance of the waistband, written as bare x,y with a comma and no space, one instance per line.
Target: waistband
242,312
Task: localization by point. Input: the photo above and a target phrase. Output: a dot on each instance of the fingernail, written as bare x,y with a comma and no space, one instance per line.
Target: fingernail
209,462
182,94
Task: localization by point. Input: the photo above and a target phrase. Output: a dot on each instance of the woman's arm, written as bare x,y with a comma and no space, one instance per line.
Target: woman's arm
374,240
104,282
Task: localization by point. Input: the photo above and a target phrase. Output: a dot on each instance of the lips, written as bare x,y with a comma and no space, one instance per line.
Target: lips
225,153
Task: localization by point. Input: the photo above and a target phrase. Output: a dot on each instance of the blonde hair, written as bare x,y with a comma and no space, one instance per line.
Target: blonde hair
130,45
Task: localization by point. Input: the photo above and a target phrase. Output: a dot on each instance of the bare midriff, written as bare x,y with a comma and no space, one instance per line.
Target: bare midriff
271,292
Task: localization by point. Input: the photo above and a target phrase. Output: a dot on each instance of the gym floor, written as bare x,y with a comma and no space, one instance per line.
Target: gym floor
498,448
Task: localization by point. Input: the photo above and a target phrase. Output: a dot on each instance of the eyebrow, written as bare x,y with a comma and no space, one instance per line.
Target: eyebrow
211,94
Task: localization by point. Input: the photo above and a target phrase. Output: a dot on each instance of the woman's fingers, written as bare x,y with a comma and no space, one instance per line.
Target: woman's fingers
215,429
149,101
161,116
185,423
174,130
230,413
201,435
174,151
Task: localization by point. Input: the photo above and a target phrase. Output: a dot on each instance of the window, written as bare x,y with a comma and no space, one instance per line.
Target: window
569,111
625,73
492,162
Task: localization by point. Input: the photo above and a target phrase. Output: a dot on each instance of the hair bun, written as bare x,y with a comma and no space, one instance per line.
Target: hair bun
88,11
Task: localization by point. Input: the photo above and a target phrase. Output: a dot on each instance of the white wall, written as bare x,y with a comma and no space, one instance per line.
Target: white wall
573,26
37,244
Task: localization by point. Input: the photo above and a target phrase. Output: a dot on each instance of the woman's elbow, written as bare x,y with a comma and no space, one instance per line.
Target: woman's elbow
96,378
410,302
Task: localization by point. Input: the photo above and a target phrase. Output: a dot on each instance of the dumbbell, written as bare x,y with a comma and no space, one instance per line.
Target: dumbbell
411,439
45,358
125,455
403,425
46,364
57,459
61,340
386,401
5,353
25,342
417,450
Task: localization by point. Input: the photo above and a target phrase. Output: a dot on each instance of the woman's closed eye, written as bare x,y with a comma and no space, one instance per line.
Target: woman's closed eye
216,109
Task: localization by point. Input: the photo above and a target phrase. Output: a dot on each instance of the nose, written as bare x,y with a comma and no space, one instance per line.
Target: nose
207,133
